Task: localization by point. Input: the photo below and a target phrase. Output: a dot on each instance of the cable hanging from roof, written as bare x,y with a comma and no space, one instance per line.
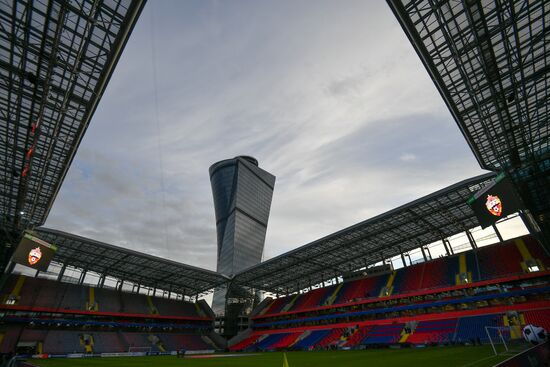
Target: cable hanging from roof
157,121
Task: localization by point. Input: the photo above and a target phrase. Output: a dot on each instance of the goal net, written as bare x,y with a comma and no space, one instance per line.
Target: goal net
499,337
139,350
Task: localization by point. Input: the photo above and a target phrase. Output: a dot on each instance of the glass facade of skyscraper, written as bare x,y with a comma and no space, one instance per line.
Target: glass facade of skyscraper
242,199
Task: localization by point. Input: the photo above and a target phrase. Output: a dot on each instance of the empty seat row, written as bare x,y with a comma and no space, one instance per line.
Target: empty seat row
71,341
468,329
45,293
495,261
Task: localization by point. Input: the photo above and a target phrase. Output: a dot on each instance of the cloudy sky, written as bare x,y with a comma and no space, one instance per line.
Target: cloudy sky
329,96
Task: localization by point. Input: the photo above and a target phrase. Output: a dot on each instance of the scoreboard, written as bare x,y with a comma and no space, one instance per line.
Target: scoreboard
34,252
495,201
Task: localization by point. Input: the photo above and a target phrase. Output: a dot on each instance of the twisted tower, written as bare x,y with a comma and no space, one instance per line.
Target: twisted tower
242,199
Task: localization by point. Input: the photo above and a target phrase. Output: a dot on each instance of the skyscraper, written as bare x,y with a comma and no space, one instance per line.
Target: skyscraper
242,199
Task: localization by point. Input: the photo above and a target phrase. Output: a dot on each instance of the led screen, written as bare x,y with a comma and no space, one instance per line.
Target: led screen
34,253
495,201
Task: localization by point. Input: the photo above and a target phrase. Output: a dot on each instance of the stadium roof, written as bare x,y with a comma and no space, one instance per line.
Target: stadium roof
56,58
129,265
490,62
426,220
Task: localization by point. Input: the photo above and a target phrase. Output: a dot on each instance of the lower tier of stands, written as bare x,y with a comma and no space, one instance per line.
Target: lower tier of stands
84,341
458,327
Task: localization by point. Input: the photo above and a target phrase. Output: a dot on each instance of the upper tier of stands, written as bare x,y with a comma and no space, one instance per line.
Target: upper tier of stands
513,257
27,292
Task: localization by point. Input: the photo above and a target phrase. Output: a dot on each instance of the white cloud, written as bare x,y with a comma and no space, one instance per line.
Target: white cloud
407,157
328,95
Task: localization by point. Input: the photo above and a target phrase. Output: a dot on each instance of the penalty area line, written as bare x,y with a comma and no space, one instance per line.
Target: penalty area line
511,352
478,361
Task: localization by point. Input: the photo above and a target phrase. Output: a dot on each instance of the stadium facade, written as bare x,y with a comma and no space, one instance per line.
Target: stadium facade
330,292
242,194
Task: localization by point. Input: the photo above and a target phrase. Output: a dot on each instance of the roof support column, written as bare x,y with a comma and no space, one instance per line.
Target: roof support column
536,228
471,239
448,247
61,272
497,232
82,276
101,282
7,272
423,253
429,253
402,256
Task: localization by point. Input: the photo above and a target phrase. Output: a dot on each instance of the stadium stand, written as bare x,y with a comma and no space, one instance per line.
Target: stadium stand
437,274
70,341
360,289
245,344
437,302
473,328
134,303
494,266
408,279
311,339
472,266
358,336
111,342
268,341
133,340
286,341
174,308
63,342
449,300
185,341
332,338
44,293
107,300
309,299
60,318
437,331
537,252
384,334
538,317
10,337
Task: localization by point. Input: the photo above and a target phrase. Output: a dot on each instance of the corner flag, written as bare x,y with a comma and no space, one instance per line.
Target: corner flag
285,361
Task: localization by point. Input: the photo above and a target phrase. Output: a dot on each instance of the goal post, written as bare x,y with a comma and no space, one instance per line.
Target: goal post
498,335
143,350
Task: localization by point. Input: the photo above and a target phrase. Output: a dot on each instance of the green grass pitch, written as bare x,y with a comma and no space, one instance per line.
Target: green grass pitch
480,356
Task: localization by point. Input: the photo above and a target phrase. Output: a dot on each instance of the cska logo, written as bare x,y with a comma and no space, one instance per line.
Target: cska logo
35,255
494,205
